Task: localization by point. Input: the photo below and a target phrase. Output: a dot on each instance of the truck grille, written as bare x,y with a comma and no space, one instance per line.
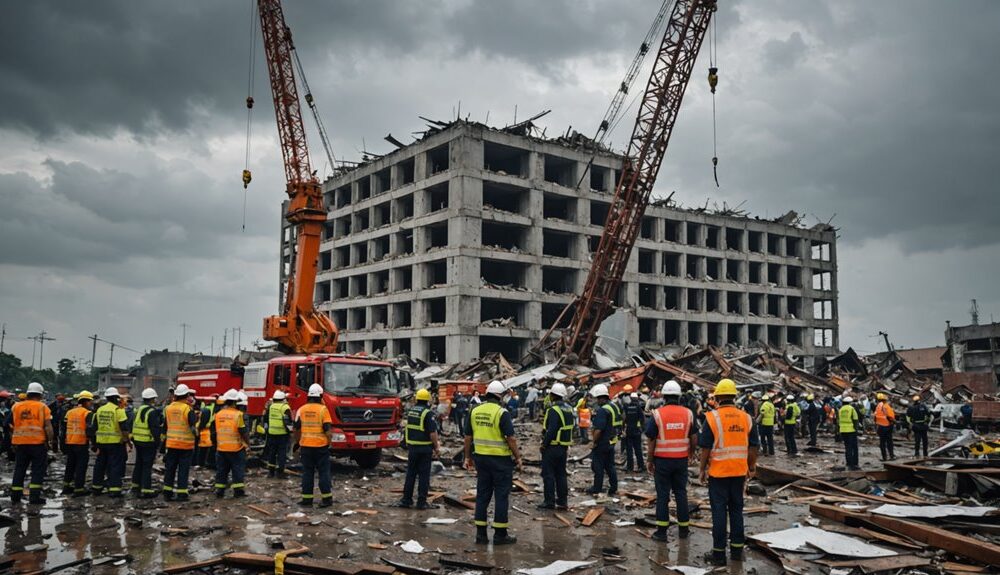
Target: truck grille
357,415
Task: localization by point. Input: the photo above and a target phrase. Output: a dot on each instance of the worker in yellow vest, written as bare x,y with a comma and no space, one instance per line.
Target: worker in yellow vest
313,434
849,425
421,450
885,420
231,440
182,434
205,453
111,429
765,423
147,432
491,449
607,430
279,427
557,437
31,435
791,413
728,458
76,445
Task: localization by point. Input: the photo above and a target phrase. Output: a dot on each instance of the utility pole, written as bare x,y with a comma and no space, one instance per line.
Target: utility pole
111,360
888,346
225,333
41,347
974,311
237,339
211,346
184,334
3,336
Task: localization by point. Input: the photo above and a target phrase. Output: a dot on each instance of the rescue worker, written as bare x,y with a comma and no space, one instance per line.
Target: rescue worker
279,426
231,439
583,419
313,433
421,449
672,440
635,422
5,425
814,416
919,418
623,398
147,432
58,408
728,458
75,445
204,456
791,420
765,422
182,434
849,424
557,436
30,435
490,439
111,427
607,420
885,420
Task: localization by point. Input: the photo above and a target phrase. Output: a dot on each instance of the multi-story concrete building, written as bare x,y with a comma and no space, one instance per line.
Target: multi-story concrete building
474,239
974,348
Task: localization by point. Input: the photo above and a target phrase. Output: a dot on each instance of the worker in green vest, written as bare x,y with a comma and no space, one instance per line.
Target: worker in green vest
421,450
147,432
849,423
279,426
557,436
791,421
111,429
765,423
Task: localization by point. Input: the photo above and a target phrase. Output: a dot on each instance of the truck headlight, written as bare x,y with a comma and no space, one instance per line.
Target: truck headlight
394,436
336,437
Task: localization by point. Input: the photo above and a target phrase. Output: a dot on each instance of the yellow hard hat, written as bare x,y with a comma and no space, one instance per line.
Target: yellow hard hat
423,395
725,387
627,388
880,396
22,396
810,397
84,395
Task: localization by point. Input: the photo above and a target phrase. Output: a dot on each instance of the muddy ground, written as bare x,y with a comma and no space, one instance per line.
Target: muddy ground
363,527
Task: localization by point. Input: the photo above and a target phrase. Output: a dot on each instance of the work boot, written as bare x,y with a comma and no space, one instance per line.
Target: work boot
220,493
306,502
562,507
736,553
326,502
544,505
717,558
116,495
501,537
423,506
239,492
67,491
659,535
683,532
272,473
404,504
183,497
15,496
482,537
168,495
36,499
79,493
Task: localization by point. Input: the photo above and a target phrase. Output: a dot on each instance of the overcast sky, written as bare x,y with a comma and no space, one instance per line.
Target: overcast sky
122,138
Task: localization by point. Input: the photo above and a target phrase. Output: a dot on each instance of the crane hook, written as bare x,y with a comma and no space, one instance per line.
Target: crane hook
713,78
246,178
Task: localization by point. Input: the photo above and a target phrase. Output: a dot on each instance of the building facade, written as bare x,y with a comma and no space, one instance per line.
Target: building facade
974,349
474,239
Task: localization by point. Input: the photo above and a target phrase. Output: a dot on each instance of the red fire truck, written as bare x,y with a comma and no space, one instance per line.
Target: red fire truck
362,396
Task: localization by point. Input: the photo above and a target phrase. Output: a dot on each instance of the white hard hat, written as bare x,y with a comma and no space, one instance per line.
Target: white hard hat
278,395
671,388
635,395
111,392
182,390
495,388
571,390
599,390
848,399
35,387
790,397
315,390
558,389
243,399
231,395
149,393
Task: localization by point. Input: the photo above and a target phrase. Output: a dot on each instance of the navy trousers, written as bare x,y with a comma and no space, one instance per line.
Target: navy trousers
603,462
850,448
77,458
315,461
767,439
554,483
494,475
142,471
418,473
671,476
230,463
109,467
177,469
726,496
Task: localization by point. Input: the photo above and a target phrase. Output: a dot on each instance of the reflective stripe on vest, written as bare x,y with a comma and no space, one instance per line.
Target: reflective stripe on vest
227,430
767,414
846,418
76,426
565,434
487,439
882,414
616,421
276,418
109,429
179,434
673,431
311,417
584,415
205,435
731,429
140,425
416,419
29,423
792,413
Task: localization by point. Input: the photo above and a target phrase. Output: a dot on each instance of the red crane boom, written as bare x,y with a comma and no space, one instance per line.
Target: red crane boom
682,39
300,328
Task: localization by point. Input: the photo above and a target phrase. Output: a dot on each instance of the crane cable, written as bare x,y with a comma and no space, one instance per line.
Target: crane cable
250,77
713,81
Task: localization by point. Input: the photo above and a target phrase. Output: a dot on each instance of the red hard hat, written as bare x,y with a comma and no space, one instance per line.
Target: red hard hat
4,394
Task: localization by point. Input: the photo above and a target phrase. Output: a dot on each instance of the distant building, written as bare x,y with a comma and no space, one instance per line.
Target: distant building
158,369
973,349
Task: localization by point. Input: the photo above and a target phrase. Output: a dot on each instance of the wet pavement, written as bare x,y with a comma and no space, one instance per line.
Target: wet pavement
362,526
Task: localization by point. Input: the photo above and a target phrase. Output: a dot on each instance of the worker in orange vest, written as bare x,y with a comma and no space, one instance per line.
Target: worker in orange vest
204,455
312,436
32,433
231,439
75,445
728,458
671,432
885,419
182,434
583,419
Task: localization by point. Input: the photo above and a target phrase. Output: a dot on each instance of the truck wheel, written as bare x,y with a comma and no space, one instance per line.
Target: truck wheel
368,459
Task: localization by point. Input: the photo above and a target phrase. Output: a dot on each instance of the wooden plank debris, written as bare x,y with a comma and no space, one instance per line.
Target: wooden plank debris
592,516
259,509
460,564
408,569
564,521
880,564
455,501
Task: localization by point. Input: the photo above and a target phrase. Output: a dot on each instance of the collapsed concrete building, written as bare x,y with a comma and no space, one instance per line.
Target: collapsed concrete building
474,239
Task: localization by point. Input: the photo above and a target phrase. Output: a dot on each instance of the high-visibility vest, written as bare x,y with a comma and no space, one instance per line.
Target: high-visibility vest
228,423
767,414
311,418
76,425
205,435
846,419
584,414
276,418
731,429
487,439
416,421
792,412
29,417
616,421
565,434
109,417
883,414
673,432
179,434
140,425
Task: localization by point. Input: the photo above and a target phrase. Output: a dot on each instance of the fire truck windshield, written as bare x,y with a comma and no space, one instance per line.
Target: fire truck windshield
356,379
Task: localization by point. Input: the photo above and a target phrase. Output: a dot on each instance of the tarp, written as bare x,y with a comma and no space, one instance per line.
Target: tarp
932,511
520,379
808,539
556,568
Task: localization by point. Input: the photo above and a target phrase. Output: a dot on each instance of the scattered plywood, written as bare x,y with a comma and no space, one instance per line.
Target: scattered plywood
564,521
592,516
879,564
805,539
